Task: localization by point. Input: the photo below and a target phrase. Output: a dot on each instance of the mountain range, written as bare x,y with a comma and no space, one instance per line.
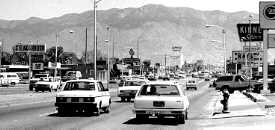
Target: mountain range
154,29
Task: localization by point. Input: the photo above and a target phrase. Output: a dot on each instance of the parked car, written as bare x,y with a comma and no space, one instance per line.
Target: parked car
161,99
129,89
83,95
36,78
9,78
50,85
233,82
192,84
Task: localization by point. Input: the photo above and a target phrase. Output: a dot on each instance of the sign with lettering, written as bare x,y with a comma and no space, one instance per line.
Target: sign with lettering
30,48
267,14
271,41
37,66
176,48
250,32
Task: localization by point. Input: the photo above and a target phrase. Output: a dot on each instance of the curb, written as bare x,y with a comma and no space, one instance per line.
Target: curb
255,97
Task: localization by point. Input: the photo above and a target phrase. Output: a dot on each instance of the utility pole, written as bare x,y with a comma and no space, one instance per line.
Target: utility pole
95,38
86,44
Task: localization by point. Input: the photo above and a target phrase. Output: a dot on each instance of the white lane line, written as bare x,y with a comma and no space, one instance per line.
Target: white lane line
46,114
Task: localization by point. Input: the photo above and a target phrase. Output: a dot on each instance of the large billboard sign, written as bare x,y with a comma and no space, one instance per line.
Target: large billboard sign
30,48
254,58
267,14
249,32
271,41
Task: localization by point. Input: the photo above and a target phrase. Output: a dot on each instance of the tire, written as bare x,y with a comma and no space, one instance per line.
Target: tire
36,90
181,118
13,83
186,115
107,109
128,99
97,110
122,99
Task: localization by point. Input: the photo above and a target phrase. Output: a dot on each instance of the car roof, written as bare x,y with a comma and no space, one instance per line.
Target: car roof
162,82
83,80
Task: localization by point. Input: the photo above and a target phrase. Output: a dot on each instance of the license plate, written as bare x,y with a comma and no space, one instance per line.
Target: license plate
158,103
81,100
69,100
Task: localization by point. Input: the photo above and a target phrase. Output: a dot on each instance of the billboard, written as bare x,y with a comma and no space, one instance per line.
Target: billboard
267,14
30,48
245,32
254,58
37,66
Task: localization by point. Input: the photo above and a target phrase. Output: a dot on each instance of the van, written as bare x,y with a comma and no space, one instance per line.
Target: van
7,79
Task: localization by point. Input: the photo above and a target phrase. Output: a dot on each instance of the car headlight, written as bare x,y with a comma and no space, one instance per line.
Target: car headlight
60,99
89,99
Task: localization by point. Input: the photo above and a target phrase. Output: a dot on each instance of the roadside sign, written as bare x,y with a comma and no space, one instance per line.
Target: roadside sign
267,14
37,66
30,48
245,32
271,41
131,52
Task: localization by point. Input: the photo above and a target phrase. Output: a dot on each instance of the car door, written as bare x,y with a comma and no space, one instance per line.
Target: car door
103,95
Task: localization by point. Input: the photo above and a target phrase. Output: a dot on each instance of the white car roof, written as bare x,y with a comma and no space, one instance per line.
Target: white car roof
163,82
83,80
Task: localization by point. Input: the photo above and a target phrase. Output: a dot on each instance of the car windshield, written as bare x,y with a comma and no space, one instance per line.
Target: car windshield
225,78
134,83
159,89
79,86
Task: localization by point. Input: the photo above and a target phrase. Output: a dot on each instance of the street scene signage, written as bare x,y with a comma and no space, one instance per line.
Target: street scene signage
37,66
176,48
255,58
267,14
271,41
245,32
30,48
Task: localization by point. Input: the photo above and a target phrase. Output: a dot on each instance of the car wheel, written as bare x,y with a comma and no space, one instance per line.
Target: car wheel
122,99
36,90
12,83
97,110
107,109
186,115
128,99
181,118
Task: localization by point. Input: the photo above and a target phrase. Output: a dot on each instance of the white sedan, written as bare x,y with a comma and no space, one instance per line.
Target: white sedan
83,95
51,84
129,89
161,99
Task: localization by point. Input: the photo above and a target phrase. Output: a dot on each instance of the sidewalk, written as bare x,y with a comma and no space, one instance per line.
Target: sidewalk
239,105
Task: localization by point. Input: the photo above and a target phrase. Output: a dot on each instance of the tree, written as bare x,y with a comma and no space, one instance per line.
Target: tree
50,53
90,56
6,58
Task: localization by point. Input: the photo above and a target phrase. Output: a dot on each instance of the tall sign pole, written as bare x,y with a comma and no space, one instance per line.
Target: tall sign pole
267,21
95,49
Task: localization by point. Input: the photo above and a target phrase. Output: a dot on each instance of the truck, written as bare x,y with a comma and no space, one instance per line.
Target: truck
233,82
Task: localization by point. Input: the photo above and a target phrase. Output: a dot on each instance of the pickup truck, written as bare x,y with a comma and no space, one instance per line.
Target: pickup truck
233,82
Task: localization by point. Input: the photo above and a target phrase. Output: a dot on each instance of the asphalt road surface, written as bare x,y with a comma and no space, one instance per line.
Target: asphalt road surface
44,116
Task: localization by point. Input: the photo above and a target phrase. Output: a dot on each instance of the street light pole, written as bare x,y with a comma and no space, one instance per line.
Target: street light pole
95,38
224,43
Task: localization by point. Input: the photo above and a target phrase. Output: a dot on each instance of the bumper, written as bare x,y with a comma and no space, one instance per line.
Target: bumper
127,95
166,112
76,105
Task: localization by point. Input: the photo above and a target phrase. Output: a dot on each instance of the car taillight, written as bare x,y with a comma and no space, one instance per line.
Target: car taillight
89,99
60,99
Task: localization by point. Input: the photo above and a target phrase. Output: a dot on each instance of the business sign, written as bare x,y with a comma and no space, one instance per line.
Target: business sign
252,48
254,58
267,14
255,33
37,57
30,48
130,60
271,41
54,65
131,52
37,66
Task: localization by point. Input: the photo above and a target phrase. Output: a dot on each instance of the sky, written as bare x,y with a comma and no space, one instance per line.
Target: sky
24,9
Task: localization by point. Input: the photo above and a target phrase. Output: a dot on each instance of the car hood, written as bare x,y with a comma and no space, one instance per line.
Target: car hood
45,82
77,93
129,88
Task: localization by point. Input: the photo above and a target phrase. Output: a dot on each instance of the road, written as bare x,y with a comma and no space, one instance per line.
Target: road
44,116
